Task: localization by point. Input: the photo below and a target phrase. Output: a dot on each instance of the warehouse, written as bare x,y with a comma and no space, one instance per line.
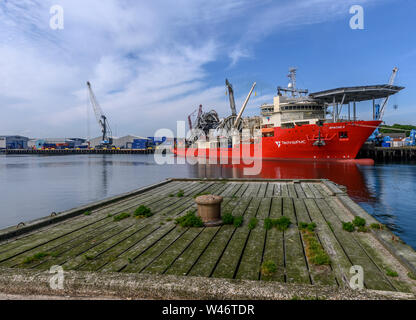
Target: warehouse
13,142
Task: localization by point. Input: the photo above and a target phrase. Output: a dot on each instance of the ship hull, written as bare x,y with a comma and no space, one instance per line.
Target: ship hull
332,141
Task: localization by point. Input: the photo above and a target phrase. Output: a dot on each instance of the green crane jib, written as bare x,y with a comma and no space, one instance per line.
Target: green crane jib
107,139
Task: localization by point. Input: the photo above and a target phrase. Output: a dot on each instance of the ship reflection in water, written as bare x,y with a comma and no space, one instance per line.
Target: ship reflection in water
347,174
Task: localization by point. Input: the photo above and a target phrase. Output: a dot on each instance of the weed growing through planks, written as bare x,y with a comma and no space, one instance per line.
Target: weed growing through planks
190,220
313,248
411,276
36,257
238,221
253,223
281,224
359,222
87,213
348,226
171,195
268,268
307,226
143,212
391,273
121,216
89,258
109,215
362,229
376,226
130,260
227,218
268,223
180,193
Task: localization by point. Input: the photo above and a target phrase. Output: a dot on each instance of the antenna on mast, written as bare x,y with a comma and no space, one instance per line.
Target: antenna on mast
291,87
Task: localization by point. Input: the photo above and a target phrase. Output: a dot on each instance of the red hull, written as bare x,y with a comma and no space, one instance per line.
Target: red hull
342,141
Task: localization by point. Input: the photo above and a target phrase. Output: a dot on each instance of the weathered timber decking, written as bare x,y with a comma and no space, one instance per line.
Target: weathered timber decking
155,245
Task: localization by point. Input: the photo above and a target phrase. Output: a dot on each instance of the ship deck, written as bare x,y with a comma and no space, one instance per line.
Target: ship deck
89,239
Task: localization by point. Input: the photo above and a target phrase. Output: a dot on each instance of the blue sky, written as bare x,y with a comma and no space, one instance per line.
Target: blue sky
153,62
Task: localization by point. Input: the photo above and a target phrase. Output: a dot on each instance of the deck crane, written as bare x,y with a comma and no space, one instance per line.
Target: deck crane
107,139
380,114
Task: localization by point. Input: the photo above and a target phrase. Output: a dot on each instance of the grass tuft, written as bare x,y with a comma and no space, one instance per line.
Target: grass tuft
313,248
238,221
143,212
121,216
359,222
348,226
376,226
190,219
36,257
253,223
268,268
411,276
227,218
180,193
391,273
280,224
307,226
87,213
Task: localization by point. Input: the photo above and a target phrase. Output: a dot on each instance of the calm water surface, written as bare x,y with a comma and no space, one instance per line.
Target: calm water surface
34,186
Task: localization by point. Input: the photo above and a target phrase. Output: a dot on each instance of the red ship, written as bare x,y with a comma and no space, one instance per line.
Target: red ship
300,126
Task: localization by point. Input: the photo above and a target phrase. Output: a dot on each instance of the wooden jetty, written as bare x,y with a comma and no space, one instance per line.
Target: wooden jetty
388,154
161,259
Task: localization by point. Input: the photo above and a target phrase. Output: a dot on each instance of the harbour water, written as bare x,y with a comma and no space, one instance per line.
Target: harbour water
34,186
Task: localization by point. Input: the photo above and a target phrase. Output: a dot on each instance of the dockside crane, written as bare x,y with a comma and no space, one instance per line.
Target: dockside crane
107,137
380,113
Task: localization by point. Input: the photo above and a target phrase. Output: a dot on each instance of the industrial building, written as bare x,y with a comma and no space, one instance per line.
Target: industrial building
13,142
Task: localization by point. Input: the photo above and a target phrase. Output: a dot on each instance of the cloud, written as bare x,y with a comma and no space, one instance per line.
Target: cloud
148,61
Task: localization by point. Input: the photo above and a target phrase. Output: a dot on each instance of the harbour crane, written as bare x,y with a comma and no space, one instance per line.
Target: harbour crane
380,113
107,137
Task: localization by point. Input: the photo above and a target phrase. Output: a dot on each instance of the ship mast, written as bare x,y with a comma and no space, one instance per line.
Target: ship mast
291,88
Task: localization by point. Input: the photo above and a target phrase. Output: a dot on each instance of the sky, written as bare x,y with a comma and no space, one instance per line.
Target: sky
152,63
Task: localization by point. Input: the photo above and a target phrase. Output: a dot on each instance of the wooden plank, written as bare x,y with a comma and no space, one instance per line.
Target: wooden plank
291,190
226,267
340,262
146,257
299,190
188,258
249,267
308,192
315,191
163,262
321,275
296,267
373,279
270,190
208,260
262,190
284,191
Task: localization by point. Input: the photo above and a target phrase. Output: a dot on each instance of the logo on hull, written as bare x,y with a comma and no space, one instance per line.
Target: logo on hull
279,143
